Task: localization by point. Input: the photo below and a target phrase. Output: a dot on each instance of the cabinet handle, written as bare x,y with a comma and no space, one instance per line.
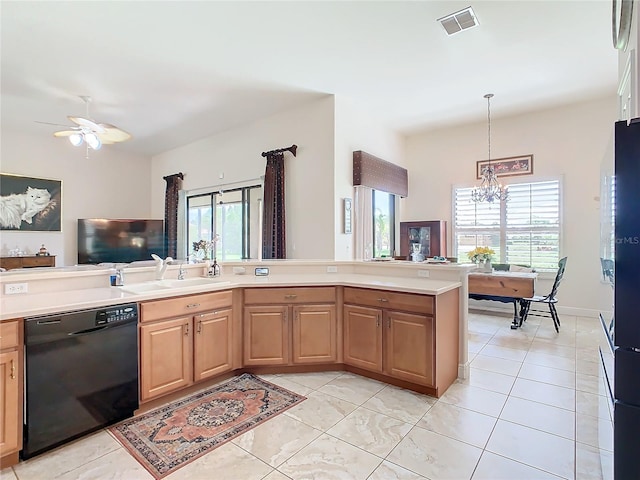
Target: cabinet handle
186,329
377,320
384,300
193,305
13,369
199,326
388,322
285,315
291,296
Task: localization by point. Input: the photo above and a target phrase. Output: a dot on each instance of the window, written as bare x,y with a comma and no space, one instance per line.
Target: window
232,214
383,223
608,216
523,230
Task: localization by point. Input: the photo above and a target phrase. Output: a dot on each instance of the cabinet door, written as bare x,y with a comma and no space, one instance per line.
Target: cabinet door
9,402
166,357
409,347
266,335
363,337
212,344
314,334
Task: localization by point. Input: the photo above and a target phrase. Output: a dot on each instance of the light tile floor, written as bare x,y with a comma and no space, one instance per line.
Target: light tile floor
534,407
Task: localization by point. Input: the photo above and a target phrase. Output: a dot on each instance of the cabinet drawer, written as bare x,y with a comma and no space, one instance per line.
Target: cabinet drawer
39,261
10,263
390,300
9,334
172,307
264,296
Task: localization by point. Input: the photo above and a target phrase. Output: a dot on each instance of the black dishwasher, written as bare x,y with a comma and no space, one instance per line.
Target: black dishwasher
81,374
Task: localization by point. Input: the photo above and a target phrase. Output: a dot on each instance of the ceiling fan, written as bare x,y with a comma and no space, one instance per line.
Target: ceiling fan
89,132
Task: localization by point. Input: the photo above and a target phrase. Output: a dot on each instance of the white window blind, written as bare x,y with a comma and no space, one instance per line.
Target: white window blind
523,230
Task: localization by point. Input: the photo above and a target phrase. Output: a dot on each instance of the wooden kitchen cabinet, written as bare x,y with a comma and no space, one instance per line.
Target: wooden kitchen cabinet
10,391
177,351
166,357
314,334
212,344
395,334
363,337
398,344
284,326
409,347
266,335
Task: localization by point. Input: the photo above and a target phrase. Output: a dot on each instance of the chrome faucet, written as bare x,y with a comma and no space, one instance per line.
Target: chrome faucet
161,265
117,280
181,273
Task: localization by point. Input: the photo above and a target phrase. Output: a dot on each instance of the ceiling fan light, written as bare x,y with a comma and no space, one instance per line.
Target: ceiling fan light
75,139
93,141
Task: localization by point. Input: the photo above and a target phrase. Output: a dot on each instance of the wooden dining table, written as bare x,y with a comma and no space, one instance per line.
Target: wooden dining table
505,287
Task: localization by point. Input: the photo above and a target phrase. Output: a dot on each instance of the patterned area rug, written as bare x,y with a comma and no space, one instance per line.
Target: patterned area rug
169,437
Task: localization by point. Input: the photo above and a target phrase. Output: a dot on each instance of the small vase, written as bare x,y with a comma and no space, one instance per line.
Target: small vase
486,266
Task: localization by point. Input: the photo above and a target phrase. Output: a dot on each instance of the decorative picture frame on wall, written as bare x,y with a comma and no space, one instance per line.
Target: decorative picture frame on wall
507,167
29,204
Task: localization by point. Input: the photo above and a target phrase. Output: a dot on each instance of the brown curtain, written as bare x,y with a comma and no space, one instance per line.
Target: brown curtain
174,184
274,242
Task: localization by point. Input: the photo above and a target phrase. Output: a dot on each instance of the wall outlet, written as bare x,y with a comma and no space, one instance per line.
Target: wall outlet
423,273
11,288
332,269
239,270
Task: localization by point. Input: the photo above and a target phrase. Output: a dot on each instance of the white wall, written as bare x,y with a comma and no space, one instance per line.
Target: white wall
357,130
237,153
569,142
109,184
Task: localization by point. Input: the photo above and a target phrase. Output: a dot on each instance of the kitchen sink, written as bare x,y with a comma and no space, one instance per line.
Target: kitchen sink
158,285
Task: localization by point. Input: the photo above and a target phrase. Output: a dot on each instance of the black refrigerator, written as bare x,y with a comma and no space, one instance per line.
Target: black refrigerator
626,338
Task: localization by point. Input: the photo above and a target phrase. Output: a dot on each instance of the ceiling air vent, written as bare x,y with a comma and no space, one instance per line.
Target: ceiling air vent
458,21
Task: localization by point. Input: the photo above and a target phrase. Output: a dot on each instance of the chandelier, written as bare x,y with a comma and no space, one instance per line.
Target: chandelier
490,189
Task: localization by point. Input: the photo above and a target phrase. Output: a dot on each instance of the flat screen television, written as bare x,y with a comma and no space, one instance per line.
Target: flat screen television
103,240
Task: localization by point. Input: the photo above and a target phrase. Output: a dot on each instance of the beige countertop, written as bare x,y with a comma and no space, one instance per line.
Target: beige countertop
32,304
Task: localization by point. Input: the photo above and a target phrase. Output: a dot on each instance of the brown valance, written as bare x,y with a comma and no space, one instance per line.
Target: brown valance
379,174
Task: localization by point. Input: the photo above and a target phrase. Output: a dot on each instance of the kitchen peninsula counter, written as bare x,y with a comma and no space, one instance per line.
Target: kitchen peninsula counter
30,304
75,288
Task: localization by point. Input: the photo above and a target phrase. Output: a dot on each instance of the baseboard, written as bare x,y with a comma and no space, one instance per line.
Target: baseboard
463,370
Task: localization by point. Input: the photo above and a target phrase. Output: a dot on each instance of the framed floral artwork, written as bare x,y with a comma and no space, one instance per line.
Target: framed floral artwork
507,167
30,204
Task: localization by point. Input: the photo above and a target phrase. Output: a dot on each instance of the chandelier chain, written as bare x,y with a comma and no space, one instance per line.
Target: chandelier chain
489,124
490,189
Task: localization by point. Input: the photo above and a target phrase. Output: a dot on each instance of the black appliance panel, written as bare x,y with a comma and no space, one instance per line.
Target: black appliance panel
626,449
81,374
627,234
625,441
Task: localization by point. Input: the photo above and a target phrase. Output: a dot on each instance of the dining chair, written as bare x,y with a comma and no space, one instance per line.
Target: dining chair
549,299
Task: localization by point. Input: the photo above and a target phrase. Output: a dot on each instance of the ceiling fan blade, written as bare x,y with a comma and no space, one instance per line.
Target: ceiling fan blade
65,133
56,124
86,123
113,134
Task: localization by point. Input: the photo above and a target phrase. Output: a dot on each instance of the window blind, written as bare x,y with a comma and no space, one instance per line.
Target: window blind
524,229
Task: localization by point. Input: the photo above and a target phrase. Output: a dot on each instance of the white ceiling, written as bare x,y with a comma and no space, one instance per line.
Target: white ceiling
173,72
